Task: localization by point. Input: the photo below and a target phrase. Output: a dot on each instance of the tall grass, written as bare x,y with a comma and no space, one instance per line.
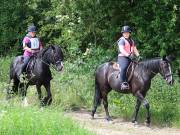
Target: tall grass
74,88
15,120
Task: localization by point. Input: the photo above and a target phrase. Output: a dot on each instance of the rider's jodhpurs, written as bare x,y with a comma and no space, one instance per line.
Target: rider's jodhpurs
123,64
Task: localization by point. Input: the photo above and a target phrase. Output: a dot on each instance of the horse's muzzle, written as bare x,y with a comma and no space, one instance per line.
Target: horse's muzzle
170,82
59,67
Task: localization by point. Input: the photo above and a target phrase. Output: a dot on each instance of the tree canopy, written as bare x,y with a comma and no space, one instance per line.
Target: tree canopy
80,24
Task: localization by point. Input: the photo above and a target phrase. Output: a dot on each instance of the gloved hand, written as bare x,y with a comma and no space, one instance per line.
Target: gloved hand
139,58
132,56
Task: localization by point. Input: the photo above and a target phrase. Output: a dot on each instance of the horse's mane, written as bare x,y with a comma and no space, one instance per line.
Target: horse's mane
150,63
42,52
145,65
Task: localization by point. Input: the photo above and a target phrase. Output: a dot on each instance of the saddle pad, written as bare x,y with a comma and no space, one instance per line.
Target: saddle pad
116,66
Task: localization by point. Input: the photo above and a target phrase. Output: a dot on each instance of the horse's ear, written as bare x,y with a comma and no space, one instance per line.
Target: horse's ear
164,57
53,47
170,58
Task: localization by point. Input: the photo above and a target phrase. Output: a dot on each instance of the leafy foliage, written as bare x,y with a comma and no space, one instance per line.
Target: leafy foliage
82,24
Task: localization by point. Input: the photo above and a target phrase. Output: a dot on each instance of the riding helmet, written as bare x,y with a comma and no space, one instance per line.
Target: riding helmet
126,29
31,28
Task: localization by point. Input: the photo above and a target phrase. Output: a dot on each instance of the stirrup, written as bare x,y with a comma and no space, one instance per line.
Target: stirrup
124,86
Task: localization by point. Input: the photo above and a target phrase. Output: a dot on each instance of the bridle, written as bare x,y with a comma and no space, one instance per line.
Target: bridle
165,76
54,61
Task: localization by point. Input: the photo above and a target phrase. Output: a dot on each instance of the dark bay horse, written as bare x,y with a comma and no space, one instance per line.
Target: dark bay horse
39,74
107,78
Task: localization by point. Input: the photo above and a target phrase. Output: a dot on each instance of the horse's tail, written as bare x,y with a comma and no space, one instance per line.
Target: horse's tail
97,98
9,87
97,94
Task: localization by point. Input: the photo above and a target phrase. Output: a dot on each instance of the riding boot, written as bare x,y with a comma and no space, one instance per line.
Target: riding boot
124,86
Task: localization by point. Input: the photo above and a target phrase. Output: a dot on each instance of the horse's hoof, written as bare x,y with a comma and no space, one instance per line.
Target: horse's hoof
49,101
135,123
109,119
147,124
92,118
45,101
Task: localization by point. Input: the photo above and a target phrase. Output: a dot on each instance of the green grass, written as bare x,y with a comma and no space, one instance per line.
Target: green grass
15,120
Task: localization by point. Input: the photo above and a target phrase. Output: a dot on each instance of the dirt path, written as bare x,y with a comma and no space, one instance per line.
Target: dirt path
117,127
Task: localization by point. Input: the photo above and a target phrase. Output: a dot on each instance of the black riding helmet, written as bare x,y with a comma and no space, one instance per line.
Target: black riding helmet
31,28
126,29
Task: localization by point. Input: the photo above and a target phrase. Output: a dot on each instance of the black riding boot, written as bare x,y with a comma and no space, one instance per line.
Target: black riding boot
124,86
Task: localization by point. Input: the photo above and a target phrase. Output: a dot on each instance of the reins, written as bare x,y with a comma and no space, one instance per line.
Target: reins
50,65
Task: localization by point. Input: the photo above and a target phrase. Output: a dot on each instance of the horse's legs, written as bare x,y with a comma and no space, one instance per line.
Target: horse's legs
48,99
23,91
94,110
12,88
138,104
146,105
38,87
105,103
15,87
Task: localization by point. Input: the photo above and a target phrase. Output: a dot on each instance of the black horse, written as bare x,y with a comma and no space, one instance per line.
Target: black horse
37,72
107,78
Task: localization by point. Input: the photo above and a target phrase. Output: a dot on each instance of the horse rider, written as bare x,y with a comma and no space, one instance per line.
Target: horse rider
127,51
31,46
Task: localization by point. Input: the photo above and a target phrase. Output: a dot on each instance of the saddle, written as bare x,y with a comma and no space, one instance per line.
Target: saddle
130,69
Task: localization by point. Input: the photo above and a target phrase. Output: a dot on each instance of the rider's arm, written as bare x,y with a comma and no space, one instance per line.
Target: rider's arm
27,48
136,52
25,45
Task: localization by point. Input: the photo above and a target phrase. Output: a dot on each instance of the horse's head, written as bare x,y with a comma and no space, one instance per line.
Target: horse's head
165,69
57,57
53,55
